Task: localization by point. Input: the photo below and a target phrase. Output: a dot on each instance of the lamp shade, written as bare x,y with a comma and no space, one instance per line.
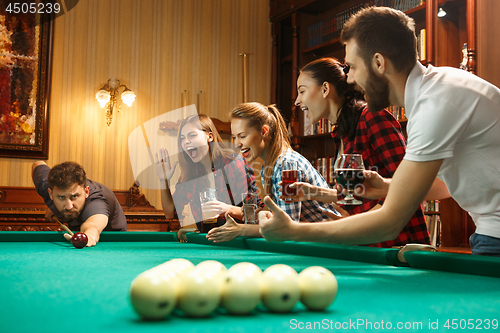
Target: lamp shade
441,12
103,97
128,97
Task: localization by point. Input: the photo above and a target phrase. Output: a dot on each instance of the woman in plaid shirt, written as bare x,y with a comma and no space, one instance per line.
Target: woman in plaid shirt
205,163
376,135
260,131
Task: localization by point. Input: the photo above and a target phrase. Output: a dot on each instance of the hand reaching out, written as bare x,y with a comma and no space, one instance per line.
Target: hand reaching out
305,191
163,168
229,231
374,186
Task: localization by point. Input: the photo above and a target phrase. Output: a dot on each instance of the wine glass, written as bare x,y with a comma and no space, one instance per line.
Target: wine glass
349,175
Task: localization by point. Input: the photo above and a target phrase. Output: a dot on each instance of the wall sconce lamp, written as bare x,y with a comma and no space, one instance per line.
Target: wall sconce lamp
107,96
441,12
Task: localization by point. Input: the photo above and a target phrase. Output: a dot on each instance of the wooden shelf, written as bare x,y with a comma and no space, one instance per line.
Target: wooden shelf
418,13
314,136
322,45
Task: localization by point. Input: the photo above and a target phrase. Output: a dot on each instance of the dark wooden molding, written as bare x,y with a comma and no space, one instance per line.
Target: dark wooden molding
471,36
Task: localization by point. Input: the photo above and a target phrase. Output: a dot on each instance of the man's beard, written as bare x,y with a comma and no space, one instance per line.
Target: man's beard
70,215
376,91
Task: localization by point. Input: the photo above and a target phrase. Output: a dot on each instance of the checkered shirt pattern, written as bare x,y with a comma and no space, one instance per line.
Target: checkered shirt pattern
307,210
380,141
240,177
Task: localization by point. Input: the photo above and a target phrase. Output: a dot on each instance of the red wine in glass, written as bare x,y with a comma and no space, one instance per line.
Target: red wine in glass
290,175
349,175
349,178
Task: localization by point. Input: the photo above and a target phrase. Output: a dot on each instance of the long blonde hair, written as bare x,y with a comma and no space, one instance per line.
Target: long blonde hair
189,169
257,115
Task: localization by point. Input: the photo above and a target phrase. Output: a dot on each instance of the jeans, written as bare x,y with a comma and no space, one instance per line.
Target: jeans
485,245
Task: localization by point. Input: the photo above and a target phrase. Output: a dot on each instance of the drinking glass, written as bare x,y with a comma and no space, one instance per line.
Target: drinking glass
209,218
290,175
250,207
349,175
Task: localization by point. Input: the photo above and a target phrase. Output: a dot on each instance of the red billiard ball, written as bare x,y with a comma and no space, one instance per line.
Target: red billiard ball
79,240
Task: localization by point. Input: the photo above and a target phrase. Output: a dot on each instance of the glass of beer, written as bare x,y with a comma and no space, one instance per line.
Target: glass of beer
349,175
249,201
290,175
209,217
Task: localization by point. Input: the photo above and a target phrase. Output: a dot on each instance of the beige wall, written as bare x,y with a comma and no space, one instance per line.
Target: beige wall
159,49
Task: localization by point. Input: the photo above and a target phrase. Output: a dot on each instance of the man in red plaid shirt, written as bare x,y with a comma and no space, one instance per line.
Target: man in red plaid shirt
379,140
375,135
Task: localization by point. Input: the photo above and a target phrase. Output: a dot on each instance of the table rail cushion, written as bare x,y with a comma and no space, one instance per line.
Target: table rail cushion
455,263
332,251
106,236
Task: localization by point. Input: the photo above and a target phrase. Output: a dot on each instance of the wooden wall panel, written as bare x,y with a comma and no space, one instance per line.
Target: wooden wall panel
159,49
488,35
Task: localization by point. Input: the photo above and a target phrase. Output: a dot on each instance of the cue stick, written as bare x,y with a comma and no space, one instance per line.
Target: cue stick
245,74
55,219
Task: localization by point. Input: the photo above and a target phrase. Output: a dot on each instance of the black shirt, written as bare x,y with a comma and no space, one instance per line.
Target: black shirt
101,200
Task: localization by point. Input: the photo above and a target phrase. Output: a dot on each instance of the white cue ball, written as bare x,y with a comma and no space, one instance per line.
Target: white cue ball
180,266
211,265
244,266
241,291
318,287
181,262
280,288
199,292
152,295
214,270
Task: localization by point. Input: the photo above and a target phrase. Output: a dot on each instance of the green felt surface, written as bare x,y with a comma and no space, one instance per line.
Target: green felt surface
52,287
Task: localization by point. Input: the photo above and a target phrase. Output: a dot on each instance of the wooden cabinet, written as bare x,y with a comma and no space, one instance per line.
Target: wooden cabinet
444,40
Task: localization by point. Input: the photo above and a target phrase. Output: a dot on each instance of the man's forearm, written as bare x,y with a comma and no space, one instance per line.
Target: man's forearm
365,228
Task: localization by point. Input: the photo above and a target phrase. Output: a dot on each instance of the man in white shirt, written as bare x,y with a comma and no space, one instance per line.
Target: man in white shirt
453,139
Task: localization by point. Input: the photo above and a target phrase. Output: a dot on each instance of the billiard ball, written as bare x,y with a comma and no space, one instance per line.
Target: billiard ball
280,288
214,270
211,265
182,263
318,287
243,266
179,266
199,292
79,240
153,295
241,291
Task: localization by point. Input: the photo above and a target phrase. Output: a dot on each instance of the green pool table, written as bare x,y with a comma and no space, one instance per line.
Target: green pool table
49,286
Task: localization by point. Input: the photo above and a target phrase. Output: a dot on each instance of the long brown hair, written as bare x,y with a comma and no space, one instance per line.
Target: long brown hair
332,71
257,115
189,169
